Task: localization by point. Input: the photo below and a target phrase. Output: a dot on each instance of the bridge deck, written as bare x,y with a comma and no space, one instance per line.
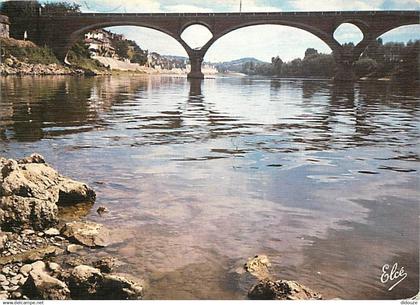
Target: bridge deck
245,14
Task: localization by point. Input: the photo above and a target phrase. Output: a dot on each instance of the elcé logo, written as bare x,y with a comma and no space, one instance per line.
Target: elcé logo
393,274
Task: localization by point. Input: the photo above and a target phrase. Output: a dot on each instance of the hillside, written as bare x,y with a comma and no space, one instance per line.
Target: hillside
237,64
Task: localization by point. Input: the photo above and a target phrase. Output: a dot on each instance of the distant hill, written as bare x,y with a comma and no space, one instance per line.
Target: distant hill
237,64
174,57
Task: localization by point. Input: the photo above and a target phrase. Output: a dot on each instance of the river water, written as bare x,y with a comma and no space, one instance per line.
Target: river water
323,178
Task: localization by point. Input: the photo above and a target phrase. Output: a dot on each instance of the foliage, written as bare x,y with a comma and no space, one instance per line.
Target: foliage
27,52
391,59
79,57
128,49
121,48
19,8
30,8
365,66
61,8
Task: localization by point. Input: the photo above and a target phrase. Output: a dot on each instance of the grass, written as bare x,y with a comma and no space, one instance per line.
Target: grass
81,62
27,51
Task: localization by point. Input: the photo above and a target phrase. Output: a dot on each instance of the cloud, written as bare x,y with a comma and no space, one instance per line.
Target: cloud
185,8
336,5
120,6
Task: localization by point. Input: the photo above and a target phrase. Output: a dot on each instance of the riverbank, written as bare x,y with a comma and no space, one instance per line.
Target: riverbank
40,252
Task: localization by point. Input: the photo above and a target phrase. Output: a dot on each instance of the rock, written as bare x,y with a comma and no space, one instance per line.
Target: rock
116,287
17,213
52,232
34,158
4,295
84,282
105,264
53,266
5,270
3,240
258,266
71,192
102,210
87,233
28,232
31,255
72,248
16,295
41,285
2,278
282,290
30,191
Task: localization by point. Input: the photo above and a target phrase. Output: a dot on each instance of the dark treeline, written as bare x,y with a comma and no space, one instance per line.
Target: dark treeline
30,8
380,59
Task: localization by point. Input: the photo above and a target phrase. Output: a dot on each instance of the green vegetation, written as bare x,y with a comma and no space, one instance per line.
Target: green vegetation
60,8
79,57
391,60
27,52
129,49
30,8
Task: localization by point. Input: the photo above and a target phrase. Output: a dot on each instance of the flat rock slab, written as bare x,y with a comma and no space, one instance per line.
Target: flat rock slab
31,255
87,233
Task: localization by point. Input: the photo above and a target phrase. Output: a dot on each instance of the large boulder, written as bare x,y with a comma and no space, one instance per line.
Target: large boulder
84,282
41,285
282,290
117,287
30,191
269,289
18,213
87,282
87,233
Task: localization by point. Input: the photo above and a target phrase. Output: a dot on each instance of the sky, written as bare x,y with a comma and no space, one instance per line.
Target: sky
263,41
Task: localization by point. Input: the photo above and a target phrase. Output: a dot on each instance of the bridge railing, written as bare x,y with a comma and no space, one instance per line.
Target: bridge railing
231,14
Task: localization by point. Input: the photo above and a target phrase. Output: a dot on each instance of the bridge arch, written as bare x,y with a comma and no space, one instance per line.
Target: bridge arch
415,27
324,36
345,28
218,42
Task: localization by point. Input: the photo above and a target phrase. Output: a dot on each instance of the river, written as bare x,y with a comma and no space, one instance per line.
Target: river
323,178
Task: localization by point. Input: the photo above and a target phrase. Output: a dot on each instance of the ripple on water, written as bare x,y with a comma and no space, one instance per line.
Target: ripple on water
199,176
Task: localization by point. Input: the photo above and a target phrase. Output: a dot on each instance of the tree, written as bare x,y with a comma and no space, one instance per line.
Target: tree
19,8
121,48
364,66
60,8
310,52
277,64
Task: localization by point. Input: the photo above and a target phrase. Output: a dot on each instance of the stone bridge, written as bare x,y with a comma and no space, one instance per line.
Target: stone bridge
61,31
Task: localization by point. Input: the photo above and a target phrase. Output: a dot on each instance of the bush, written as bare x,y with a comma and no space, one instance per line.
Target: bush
28,52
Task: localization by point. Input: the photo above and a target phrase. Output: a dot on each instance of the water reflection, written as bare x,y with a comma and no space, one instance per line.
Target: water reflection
200,175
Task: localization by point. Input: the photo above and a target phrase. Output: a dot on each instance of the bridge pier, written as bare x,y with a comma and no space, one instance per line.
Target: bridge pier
196,60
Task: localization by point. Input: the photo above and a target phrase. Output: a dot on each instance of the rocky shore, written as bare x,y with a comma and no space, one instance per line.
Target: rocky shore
39,252
14,66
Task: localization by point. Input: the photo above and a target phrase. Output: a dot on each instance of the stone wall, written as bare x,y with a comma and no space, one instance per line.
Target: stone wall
4,26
